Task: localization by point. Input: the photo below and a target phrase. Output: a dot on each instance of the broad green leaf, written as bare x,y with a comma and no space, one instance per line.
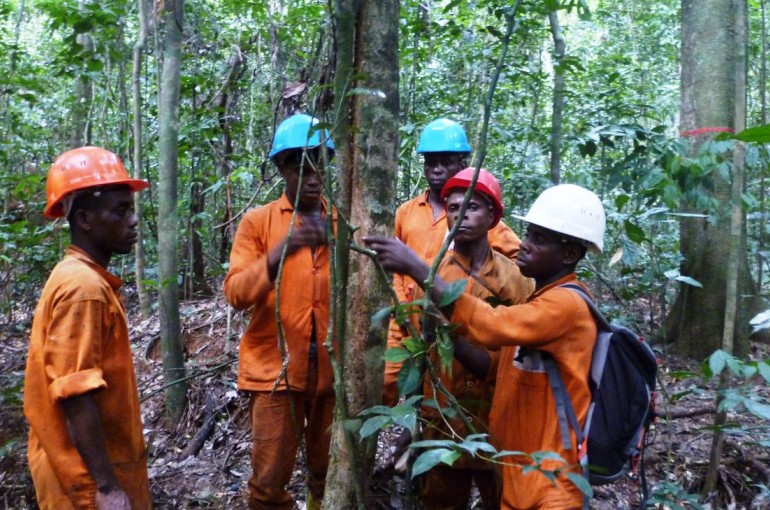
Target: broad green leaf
541,456
446,349
764,370
396,355
409,378
352,425
581,483
758,409
717,362
453,291
508,453
414,345
374,424
689,281
758,134
380,314
432,458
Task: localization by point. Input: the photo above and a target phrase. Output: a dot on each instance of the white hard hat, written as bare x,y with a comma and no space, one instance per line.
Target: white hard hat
570,210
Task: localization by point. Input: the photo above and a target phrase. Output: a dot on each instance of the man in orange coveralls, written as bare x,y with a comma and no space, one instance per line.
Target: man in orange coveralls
86,448
421,222
290,378
492,277
564,222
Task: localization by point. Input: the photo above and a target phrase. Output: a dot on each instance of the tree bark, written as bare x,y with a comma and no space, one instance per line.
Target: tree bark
136,91
708,90
367,151
559,48
168,217
736,230
83,92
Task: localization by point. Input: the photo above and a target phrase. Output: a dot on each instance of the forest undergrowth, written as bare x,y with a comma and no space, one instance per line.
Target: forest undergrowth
203,461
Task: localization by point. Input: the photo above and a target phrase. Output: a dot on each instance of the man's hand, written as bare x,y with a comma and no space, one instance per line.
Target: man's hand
84,425
112,499
395,256
311,232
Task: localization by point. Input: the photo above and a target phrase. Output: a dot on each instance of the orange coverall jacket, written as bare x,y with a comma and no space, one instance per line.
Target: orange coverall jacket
523,417
304,298
416,227
499,279
80,345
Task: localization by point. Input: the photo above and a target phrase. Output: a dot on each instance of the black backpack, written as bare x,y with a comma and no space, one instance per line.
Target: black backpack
622,381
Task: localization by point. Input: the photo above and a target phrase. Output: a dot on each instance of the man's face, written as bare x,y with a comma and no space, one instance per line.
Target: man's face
303,178
112,222
440,166
476,220
542,253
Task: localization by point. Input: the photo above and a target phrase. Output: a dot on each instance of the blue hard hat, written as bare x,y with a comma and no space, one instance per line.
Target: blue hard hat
443,135
294,133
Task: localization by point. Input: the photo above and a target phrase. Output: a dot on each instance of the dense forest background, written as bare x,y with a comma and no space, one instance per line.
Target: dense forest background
638,101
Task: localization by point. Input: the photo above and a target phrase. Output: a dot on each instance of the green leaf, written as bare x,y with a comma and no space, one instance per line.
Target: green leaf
689,281
717,362
409,378
446,349
758,134
453,291
758,409
431,458
414,345
764,370
363,91
634,233
396,355
352,425
374,424
379,315
581,483
427,461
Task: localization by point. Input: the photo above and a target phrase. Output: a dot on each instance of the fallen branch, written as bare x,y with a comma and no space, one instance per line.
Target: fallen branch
688,413
209,421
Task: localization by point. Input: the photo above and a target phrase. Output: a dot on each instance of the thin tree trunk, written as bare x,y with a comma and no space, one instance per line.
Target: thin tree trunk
367,149
136,90
8,124
736,234
763,105
559,48
168,218
83,91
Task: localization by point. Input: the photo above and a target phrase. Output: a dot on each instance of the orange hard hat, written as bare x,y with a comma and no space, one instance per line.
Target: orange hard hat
486,184
85,167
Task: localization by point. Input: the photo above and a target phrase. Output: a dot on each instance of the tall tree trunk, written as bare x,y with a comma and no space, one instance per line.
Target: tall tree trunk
136,90
708,91
367,148
81,127
168,218
762,222
735,241
6,156
559,48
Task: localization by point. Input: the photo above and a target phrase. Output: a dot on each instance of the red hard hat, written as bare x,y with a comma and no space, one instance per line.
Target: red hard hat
85,167
486,184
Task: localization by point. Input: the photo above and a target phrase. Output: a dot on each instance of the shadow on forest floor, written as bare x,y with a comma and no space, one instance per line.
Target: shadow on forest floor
203,461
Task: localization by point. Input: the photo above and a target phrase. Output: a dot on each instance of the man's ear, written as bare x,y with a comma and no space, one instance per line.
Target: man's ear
572,253
81,220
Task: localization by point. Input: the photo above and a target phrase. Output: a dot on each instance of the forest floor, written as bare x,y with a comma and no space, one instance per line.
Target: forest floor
203,461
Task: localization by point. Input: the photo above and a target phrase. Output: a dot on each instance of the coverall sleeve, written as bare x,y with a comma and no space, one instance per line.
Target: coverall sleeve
536,324
73,348
248,279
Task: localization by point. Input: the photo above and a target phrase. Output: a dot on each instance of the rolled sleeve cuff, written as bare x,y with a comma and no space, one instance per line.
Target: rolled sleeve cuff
77,384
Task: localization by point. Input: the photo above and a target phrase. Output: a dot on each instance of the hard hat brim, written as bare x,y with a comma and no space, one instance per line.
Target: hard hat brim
55,210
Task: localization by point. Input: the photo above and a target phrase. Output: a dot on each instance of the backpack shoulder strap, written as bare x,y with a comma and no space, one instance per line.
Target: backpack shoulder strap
600,320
